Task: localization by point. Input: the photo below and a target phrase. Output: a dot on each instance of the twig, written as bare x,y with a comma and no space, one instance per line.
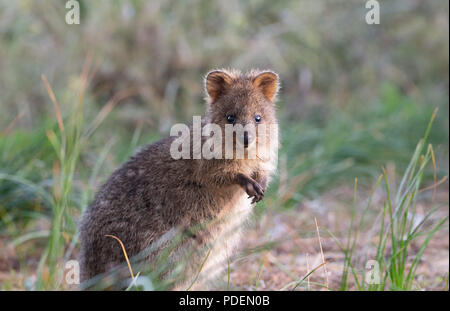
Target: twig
307,270
124,253
321,252
12,123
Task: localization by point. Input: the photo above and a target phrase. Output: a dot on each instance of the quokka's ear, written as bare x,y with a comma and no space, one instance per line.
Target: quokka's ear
217,82
267,82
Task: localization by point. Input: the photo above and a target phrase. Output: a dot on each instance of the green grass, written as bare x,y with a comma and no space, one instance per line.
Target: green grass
66,145
398,228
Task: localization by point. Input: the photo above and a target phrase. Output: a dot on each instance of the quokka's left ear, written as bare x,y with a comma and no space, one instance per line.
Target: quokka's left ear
267,82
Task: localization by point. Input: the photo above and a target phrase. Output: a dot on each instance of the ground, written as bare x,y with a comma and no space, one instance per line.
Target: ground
292,249
280,248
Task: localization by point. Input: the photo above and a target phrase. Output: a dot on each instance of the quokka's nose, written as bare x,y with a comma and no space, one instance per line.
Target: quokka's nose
247,138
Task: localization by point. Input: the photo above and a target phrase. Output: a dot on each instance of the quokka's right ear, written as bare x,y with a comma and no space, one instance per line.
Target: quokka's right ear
216,83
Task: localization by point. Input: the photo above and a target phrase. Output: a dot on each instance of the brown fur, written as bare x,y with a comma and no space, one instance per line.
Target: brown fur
153,195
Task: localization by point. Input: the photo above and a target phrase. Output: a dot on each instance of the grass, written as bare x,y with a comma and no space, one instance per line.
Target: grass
396,219
67,143
341,113
398,227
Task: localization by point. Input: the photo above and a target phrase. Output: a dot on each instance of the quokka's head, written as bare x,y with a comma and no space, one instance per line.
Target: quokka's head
242,99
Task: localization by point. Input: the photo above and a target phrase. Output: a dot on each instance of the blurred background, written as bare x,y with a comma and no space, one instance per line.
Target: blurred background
354,97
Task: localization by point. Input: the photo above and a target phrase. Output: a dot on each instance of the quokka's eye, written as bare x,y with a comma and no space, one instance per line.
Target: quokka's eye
230,118
258,118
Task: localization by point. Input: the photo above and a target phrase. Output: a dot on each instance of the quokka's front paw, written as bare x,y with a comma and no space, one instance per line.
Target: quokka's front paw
252,187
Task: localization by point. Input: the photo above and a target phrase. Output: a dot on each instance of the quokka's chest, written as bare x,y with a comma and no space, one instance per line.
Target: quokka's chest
224,236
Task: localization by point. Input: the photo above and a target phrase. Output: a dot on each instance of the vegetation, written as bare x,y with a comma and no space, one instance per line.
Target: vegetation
77,100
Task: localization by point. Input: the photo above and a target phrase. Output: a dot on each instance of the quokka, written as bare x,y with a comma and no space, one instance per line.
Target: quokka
153,200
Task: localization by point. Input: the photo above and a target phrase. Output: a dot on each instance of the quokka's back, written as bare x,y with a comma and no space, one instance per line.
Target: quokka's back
183,213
